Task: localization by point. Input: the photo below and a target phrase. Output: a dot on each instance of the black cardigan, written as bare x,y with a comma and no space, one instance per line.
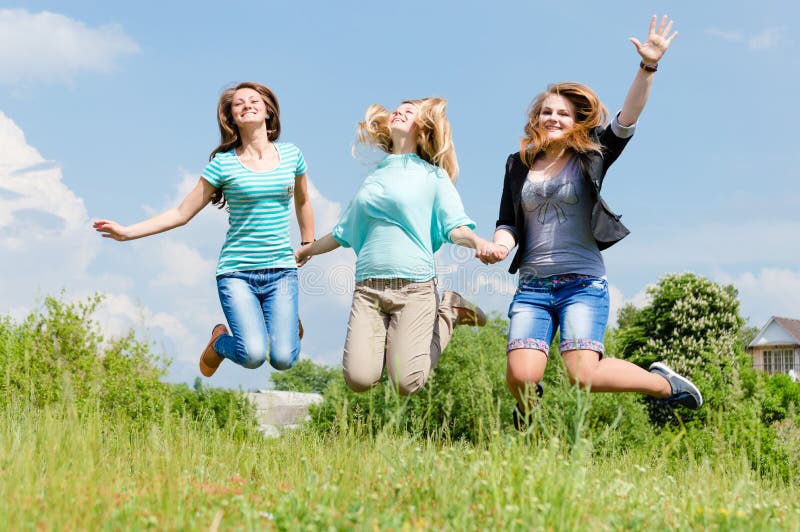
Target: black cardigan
606,226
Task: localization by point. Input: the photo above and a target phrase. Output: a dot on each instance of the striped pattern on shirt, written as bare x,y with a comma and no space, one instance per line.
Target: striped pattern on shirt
259,203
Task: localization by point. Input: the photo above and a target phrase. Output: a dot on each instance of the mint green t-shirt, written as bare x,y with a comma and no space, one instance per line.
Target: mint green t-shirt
259,203
403,212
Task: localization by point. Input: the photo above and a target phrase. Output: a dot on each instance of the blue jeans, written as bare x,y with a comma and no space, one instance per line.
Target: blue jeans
578,304
261,309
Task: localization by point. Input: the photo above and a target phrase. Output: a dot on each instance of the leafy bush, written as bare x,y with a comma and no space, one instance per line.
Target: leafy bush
693,325
782,399
215,407
305,376
57,355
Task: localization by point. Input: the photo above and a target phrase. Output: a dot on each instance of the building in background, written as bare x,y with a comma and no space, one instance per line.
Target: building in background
776,347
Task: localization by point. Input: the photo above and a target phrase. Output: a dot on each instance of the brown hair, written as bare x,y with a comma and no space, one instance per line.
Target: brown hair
434,137
589,114
229,133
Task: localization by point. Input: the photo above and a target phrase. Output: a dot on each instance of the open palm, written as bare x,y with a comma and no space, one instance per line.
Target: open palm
658,40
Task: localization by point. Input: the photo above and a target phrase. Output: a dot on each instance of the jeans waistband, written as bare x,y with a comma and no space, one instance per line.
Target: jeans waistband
554,281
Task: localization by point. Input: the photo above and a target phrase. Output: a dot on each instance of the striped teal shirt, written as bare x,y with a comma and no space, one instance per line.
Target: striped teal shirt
259,202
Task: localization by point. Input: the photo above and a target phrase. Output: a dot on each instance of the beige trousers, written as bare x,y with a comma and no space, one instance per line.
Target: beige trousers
397,325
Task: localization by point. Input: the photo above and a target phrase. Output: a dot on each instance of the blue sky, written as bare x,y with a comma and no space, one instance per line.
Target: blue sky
108,110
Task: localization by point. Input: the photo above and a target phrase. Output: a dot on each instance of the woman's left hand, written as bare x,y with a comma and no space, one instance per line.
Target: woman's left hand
301,255
658,40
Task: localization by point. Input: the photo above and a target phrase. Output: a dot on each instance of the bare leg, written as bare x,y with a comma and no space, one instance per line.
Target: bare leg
524,369
612,374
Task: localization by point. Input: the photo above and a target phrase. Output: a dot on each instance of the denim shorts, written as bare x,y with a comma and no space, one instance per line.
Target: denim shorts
577,304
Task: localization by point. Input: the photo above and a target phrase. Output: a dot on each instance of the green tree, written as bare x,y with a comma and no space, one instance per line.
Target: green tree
305,376
693,325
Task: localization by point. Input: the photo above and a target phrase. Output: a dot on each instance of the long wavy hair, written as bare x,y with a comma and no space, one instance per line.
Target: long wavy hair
434,137
229,132
589,114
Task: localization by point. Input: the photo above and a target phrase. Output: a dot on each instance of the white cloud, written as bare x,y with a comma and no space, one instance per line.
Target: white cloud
675,247
767,39
54,48
725,35
119,313
181,265
768,292
43,224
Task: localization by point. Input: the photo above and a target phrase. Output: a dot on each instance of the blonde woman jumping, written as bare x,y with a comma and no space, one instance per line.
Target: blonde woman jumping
404,210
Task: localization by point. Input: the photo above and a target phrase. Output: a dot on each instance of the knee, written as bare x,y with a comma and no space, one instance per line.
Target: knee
519,376
582,377
283,357
254,354
358,383
411,384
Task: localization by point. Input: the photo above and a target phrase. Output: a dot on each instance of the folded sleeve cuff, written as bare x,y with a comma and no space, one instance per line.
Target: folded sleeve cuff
509,228
621,131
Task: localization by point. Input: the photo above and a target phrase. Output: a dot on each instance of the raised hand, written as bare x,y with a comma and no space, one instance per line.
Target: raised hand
658,40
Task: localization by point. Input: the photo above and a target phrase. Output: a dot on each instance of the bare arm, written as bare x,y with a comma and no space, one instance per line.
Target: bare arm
169,219
653,49
318,247
302,207
464,236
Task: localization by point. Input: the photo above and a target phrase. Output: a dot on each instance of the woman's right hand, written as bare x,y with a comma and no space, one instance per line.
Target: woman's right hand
111,229
492,253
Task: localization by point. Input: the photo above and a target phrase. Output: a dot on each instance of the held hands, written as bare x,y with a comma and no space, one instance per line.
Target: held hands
491,253
658,40
301,255
111,229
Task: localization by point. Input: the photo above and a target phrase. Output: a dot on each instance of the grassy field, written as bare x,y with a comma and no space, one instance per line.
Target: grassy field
64,471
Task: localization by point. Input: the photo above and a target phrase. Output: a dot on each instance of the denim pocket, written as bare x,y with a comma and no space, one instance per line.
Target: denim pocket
595,284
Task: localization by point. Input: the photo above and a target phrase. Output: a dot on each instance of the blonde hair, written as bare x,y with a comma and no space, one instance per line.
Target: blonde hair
229,132
434,137
589,114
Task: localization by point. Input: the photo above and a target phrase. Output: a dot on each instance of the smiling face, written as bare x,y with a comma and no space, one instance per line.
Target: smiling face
557,116
248,107
403,120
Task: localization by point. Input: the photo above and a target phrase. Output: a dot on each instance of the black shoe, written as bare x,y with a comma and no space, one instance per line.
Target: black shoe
522,421
684,392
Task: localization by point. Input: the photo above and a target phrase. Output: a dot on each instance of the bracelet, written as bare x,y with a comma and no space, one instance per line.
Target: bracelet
307,243
648,67
508,249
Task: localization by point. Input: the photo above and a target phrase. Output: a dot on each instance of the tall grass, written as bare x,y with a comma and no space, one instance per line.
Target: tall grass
69,470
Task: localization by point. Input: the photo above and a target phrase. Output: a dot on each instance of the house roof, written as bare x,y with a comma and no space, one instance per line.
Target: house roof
789,333
791,326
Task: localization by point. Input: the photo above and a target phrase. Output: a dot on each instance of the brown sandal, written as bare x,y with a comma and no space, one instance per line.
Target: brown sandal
210,360
467,313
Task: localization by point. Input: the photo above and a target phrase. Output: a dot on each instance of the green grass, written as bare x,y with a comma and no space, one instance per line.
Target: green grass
61,470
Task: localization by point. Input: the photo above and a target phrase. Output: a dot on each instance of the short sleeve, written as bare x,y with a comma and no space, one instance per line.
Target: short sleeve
300,168
345,230
448,211
213,172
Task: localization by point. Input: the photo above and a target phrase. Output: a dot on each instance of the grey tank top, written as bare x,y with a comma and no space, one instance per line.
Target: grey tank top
558,229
